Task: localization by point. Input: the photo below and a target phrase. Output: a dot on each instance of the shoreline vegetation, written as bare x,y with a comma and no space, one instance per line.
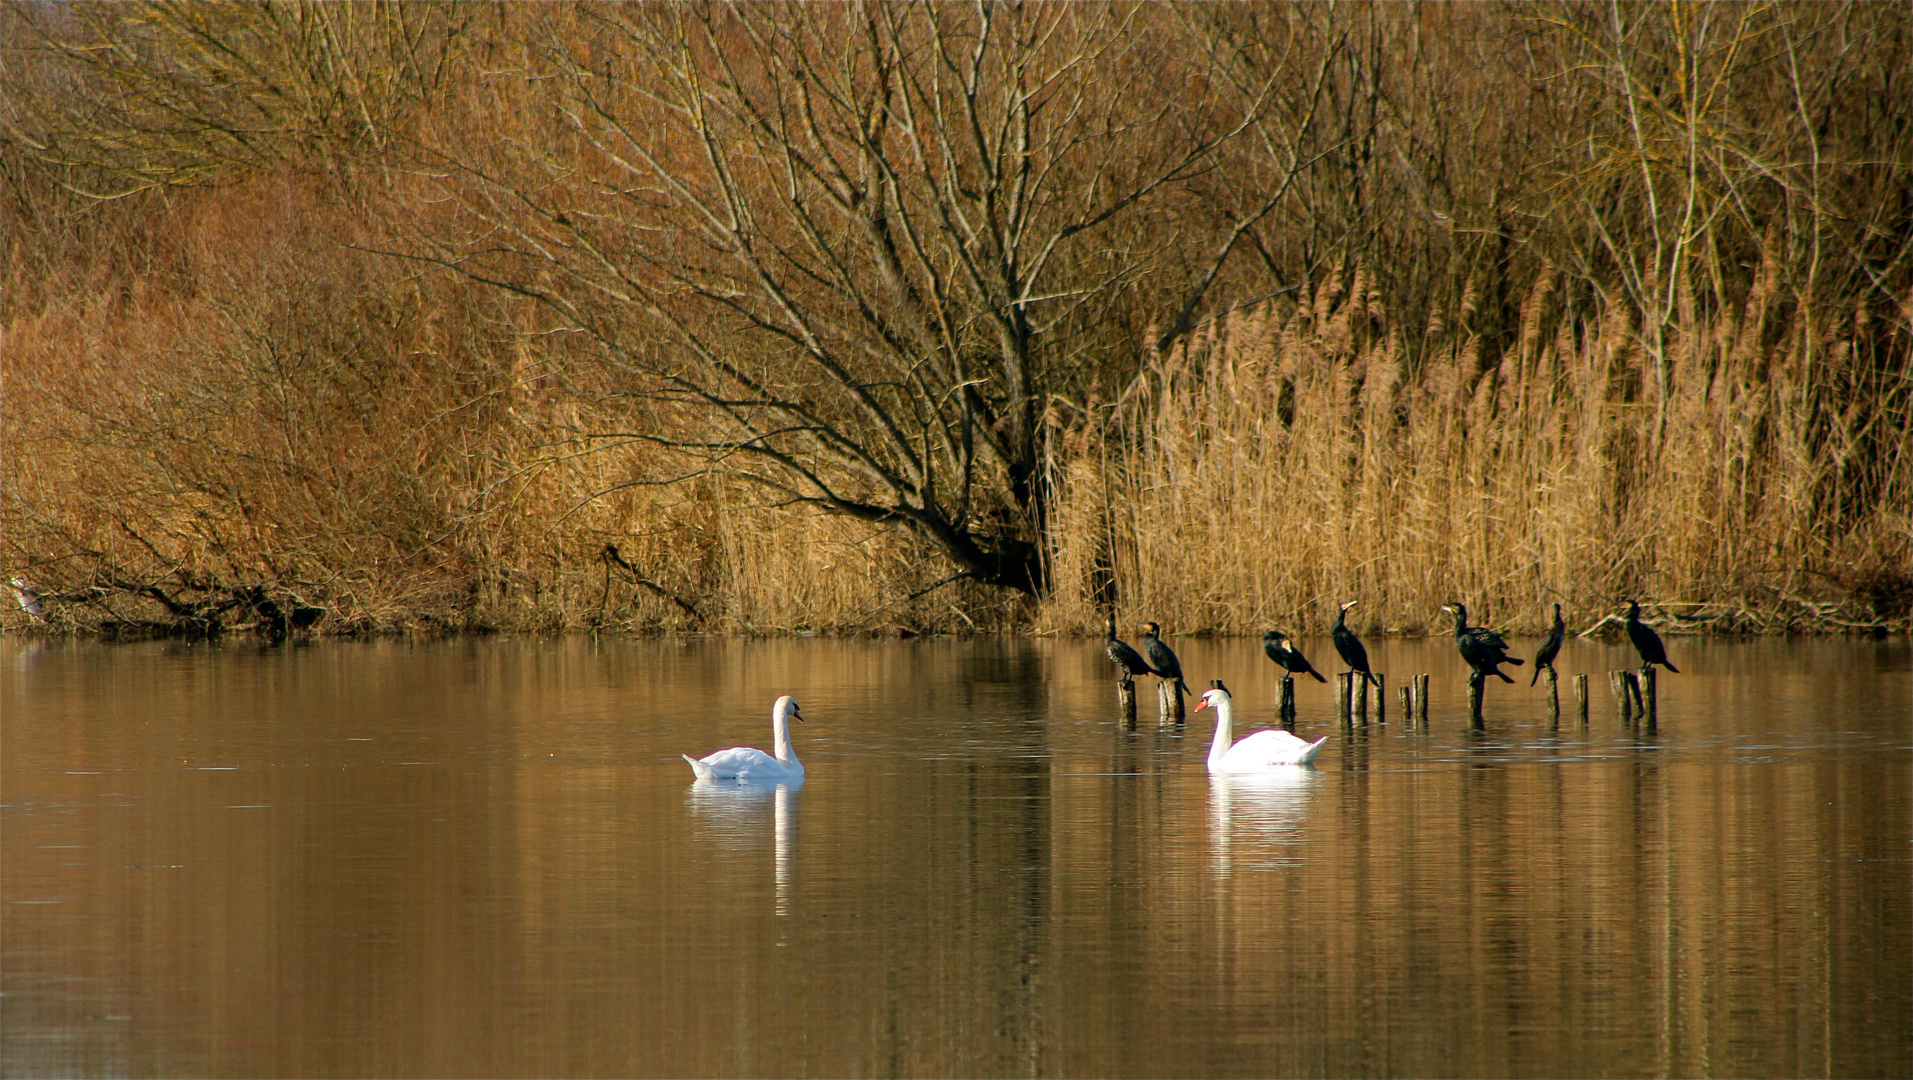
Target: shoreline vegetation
923,319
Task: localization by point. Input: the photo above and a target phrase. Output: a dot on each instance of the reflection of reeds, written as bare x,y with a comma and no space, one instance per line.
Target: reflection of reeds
1301,453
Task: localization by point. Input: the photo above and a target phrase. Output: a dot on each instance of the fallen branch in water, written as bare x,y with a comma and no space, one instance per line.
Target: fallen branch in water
610,556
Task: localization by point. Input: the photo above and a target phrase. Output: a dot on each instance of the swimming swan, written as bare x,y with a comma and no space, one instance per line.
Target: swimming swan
746,763
1264,751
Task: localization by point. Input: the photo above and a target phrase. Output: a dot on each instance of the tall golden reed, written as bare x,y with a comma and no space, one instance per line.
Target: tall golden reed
1300,453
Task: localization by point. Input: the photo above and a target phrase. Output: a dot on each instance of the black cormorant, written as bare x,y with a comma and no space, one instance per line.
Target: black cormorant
1161,657
1127,660
1549,648
1481,647
1350,646
1646,641
1276,644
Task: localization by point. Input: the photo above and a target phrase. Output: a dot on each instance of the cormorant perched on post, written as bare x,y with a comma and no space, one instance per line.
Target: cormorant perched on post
1276,644
1549,648
1350,646
1646,641
1161,657
1481,647
1128,662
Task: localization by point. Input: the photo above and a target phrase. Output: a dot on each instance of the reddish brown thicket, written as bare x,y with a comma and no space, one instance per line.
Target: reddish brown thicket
758,317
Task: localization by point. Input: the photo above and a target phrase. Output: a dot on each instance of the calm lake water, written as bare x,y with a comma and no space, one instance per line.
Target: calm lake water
486,858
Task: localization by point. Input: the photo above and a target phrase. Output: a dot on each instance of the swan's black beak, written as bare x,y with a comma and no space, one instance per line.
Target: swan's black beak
797,716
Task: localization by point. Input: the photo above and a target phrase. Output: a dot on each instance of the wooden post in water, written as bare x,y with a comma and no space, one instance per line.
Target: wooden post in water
1650,702
1168,702
1421,702
1617,682
1581,696
1381,698
1631,690
1126,702
1475,679
1408,704
1360,706
1341,697
1285,701
1554,700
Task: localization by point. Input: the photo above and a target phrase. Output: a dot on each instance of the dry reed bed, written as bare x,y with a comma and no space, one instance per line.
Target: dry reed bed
281,411
1301,453
1280,460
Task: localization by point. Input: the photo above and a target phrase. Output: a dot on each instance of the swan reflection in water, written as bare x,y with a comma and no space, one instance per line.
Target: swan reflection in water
733,813
1259,818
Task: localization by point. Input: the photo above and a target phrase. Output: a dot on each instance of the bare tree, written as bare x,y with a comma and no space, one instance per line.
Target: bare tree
853,254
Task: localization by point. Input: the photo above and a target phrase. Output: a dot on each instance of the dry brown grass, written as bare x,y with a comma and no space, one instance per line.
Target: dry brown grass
1292,456
288,413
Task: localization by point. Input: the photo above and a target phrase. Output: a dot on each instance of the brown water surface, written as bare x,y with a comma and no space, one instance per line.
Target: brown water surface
486,858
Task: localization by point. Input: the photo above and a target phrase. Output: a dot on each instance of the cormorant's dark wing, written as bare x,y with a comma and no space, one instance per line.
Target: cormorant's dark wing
1162,658
1126,659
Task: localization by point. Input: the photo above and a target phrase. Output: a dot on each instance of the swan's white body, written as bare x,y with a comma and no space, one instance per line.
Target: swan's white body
749,763
1264,751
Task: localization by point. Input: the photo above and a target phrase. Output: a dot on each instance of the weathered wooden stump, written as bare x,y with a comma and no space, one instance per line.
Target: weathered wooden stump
1381,698
1341,696
1554,699
1421,702
1408,704
1358,708
1630,695
1475,681
1623,703
1650,700
1168,702
1126,702
1285,701
1581,697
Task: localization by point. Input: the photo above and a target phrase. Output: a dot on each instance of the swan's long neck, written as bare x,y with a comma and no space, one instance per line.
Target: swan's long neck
1225,731
780,724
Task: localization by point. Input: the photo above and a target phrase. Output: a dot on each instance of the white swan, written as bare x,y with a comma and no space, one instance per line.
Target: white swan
1264,751
747,763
